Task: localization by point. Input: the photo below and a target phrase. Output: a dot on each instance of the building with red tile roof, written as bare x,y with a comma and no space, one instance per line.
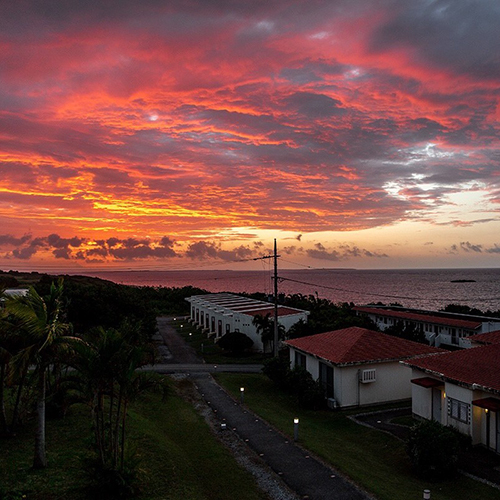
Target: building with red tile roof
220,313
485,338
446,329
357,366
461,389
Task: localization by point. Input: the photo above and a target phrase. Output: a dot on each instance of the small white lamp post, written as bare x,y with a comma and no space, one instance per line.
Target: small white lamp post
427,494
242,395
295,429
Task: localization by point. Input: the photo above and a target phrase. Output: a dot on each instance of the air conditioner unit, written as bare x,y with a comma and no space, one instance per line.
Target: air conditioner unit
331,403
367,376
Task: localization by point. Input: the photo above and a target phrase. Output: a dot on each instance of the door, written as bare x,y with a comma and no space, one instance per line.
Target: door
326,379
436,404
498,431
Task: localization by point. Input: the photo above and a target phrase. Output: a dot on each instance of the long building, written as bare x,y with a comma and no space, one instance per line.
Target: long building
221,313
440,329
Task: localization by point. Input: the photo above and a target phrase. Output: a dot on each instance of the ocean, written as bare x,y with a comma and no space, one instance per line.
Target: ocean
419,288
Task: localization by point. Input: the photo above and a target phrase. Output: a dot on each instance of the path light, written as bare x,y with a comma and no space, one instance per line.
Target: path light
242,395
295,429
427,494
182,326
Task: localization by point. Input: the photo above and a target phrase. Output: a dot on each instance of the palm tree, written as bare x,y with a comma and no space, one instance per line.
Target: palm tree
108,381
265,327
39,321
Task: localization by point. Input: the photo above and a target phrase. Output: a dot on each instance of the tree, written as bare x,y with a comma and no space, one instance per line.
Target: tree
39,322
236,342
107,380
408,332
265,327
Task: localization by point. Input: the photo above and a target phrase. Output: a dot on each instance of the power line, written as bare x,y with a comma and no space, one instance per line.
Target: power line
378,294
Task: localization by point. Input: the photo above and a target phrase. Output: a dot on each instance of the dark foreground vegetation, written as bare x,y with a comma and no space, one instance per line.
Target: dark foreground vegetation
177,457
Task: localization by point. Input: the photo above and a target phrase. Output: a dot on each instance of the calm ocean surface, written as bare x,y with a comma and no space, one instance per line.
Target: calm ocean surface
426,289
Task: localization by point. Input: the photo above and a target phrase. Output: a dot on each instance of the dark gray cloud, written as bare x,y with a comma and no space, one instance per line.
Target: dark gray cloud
342,252
467,246
459,35
201,250
8,239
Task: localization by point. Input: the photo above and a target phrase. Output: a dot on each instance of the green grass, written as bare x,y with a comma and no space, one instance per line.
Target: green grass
211,352
180,457
372,459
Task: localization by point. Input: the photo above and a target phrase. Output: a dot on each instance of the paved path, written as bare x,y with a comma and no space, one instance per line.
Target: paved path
307,476
202,368
181,352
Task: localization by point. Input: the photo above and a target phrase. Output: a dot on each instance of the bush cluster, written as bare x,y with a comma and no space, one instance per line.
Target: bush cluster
298,381
434,449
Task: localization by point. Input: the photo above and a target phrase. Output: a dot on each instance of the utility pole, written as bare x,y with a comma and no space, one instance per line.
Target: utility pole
276,330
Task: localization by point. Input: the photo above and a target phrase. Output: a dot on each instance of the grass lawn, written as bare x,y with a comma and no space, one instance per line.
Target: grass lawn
180,457
211,352
374,460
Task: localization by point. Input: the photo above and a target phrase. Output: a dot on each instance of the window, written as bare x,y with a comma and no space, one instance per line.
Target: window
458,410
300,359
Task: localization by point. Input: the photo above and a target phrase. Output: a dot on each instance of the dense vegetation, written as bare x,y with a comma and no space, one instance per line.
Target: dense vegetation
81,340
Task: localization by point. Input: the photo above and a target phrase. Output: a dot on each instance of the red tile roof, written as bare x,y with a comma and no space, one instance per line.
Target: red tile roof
358,345
282,311
459,323
486,338
478,365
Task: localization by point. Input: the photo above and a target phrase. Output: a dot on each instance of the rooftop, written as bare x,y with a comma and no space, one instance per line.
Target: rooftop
242,305
478,365
486,338
356,345
426,318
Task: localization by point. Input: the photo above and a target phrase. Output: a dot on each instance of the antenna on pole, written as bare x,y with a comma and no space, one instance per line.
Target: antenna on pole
276,330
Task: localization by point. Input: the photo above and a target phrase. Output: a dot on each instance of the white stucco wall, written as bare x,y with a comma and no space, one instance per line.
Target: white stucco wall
392,381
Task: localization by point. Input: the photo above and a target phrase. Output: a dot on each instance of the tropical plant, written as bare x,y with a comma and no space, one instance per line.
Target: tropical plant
108,382
45,341
265,328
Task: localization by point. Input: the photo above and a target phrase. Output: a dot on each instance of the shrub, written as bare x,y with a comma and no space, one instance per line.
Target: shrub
113,482
236,342
277,369
298,381
434,449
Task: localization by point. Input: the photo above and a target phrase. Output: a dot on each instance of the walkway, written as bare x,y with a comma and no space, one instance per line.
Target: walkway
305,475
302,473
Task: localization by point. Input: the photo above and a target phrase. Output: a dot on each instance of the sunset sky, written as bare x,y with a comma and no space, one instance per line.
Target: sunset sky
169,135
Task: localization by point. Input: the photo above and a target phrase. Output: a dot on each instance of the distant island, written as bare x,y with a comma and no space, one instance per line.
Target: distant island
462,281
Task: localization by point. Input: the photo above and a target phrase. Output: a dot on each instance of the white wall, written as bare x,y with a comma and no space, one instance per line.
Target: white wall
392,381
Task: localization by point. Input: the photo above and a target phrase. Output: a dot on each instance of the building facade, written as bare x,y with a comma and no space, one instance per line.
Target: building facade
449,330
356,366
461,389
221,313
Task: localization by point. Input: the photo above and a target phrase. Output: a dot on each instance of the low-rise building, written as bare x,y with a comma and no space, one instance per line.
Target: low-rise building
461,389
440,329
485,339
221,313
357,366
